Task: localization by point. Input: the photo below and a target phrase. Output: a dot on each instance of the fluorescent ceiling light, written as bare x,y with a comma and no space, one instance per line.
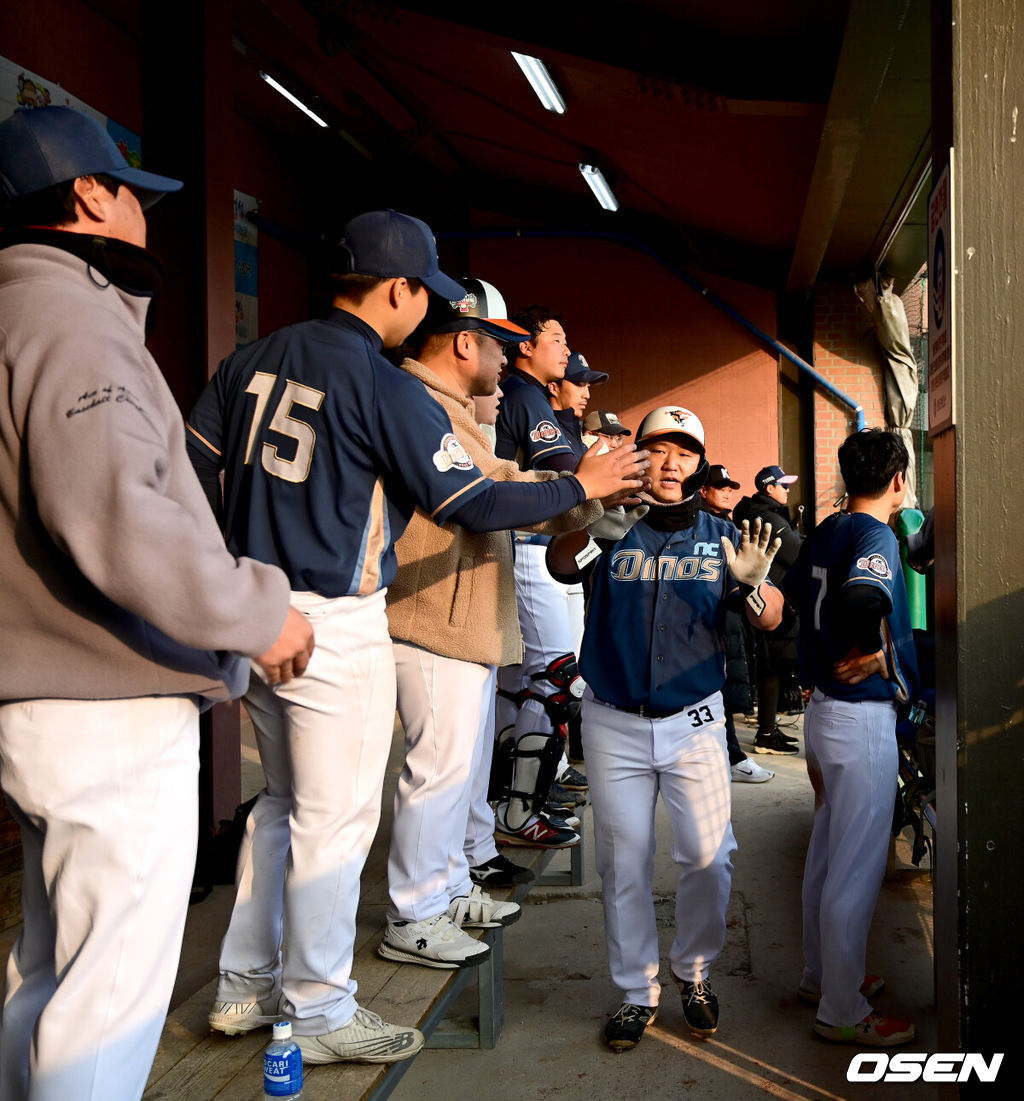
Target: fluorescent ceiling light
599,185
540,81
292,99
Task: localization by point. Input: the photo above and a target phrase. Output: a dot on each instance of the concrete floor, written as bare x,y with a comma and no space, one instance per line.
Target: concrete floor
558,994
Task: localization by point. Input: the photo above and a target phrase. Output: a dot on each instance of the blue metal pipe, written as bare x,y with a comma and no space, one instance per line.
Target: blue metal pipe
700,288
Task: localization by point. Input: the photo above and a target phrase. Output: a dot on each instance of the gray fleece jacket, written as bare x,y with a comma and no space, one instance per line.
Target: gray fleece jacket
114,579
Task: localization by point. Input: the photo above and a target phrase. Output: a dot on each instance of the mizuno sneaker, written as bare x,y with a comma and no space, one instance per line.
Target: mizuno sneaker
874,1031
365,1039
434,942
478,910
499,871
235,1018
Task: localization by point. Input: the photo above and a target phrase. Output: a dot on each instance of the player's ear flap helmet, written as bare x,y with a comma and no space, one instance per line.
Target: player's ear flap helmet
674,420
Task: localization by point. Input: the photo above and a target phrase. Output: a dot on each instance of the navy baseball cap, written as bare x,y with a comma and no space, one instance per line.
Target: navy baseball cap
773,475
390,245
718,477
44,146
604,423
578,370
480,307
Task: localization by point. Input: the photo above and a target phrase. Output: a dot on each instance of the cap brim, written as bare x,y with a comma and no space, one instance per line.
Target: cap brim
589,378
150,186
503,328
698,446
787,479
440,284
722,485
615,430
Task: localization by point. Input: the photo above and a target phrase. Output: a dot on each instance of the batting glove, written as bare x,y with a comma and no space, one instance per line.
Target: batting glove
752,561
616,521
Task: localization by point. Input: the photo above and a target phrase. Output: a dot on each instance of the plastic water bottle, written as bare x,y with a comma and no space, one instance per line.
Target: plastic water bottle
282,1066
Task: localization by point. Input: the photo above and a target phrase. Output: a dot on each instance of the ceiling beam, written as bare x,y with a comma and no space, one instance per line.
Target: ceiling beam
869,42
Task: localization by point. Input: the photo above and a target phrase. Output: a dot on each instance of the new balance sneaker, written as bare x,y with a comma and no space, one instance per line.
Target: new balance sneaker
625,1028
434,942
573,780
874,1031
478,910
499,871
750,772
560,816
365,1039
539,832
235,1018
871,987
700,1006
774,742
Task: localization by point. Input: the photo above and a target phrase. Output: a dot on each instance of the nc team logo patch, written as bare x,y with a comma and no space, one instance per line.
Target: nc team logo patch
876,564
452,454
545,432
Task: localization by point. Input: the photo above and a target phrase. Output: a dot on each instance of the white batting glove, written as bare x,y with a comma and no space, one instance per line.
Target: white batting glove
752,561
616,521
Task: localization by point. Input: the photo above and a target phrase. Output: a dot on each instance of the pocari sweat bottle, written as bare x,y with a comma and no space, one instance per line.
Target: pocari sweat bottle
282,1066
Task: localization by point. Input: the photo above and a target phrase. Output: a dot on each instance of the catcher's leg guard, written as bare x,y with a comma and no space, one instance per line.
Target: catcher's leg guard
529,765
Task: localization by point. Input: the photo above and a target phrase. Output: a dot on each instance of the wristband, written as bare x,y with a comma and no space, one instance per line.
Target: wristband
755,601
588,554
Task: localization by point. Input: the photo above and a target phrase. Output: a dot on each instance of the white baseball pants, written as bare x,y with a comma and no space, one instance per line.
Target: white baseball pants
106,795
439,703
479,846
852,761
324,740
630,760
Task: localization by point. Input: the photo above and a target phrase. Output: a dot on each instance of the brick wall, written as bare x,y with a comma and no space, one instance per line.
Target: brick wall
845,352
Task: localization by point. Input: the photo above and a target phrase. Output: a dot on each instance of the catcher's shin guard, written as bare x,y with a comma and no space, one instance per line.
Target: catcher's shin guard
522,775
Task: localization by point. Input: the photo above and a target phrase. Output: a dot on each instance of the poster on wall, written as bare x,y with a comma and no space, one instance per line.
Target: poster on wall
21,88
941,333
246,272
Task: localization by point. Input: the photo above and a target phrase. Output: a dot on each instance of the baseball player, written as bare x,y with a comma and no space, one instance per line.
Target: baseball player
311,426
857,650
122,616
448,581
653,720
604,423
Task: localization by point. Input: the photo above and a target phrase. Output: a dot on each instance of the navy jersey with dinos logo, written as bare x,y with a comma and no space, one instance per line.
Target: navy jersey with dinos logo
851,549
327,448
655,616
527,430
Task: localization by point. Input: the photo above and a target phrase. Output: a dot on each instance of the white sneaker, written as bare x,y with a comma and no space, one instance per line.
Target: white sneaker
433,942
234,1018
750,772
478,910
365,1039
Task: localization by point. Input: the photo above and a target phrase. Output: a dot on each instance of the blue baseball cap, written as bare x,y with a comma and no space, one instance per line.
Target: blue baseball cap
390,245
773,475
578,370
44,146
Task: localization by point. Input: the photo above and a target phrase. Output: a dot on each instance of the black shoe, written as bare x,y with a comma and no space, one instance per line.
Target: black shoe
499,871
573,780
774,742
700,1007
626,1028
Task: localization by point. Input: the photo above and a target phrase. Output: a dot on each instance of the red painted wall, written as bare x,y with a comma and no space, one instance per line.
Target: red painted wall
845,353
661,342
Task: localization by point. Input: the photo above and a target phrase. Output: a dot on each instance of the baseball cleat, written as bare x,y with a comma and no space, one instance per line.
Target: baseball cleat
625,1028
559,796
365,1039
700,1006
560,816
874,1031
433,942
236,1018
871,987
478,910
499,871
572,780
774,742
750,772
